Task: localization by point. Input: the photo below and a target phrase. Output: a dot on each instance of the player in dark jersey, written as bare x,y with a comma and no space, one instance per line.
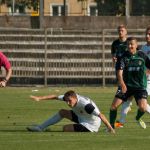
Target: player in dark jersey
131,74
118,47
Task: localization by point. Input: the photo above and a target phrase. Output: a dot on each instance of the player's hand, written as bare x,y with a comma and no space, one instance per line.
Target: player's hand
123,88
36,98
114,59
110,130
2,83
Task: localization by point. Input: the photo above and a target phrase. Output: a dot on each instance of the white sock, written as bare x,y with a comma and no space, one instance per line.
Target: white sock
148,108
124,110
148,86
53,120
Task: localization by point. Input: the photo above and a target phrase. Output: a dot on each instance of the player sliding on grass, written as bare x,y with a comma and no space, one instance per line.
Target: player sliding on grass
131,74
84,113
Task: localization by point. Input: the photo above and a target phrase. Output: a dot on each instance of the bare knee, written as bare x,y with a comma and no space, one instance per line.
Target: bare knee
142,105
113,107
142,108
116,103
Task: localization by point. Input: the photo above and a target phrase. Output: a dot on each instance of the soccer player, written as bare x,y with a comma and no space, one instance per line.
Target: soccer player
118,47
4,62
131,74
146,49
84,113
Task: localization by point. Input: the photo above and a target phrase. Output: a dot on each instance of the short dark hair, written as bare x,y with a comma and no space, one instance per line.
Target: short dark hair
121,26
68,94
131,39
148,28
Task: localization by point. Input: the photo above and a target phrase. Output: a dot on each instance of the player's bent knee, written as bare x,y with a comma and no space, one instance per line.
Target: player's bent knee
113,107
142,109
62,112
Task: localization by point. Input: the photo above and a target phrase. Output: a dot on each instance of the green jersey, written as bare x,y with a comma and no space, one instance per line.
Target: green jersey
134,69
118,48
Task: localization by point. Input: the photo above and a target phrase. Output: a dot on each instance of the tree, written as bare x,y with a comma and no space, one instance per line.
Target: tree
22,4
109,7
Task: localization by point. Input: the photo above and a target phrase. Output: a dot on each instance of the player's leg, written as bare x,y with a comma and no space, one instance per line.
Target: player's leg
75,128
142,108
148,108
126,107
113,110
141,99
52,120
148,92
148,87
118,100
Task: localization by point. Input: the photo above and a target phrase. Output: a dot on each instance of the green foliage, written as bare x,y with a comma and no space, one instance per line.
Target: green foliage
22,3
109,7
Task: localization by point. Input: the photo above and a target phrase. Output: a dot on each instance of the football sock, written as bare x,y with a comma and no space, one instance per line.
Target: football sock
53,120
112,117
124,110
148,108
139,114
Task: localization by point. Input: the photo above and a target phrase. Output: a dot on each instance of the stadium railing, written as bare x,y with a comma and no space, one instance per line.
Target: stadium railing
57,56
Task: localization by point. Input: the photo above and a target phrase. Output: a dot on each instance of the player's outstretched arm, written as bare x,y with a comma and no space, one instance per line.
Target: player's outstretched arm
105,121
39,98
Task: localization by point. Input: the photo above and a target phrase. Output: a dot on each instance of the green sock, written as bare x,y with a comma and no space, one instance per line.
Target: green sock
139,114
112,117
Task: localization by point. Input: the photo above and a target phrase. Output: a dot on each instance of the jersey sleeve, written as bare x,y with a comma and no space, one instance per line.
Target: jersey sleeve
90,109
61,97
113,50
4,61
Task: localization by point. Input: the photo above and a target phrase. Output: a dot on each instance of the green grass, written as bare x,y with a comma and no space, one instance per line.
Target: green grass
17,112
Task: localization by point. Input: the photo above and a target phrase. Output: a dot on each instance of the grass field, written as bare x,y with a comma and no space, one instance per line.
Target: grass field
17,112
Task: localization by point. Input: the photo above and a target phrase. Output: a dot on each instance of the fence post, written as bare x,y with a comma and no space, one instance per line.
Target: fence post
103,58
45,55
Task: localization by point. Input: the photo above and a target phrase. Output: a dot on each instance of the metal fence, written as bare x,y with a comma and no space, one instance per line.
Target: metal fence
57,56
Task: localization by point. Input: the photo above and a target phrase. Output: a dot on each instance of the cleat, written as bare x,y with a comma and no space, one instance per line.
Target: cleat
34,129
119,125
141,123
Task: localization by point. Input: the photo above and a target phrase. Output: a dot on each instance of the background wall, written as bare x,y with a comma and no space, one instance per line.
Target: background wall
75,22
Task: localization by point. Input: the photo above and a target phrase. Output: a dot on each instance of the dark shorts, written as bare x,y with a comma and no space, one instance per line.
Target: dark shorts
137,93
78,127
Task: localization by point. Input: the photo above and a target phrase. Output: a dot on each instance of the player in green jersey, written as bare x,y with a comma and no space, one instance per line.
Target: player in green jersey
118,47
131,74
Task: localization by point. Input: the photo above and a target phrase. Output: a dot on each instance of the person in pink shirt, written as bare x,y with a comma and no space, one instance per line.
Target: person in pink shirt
4,62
